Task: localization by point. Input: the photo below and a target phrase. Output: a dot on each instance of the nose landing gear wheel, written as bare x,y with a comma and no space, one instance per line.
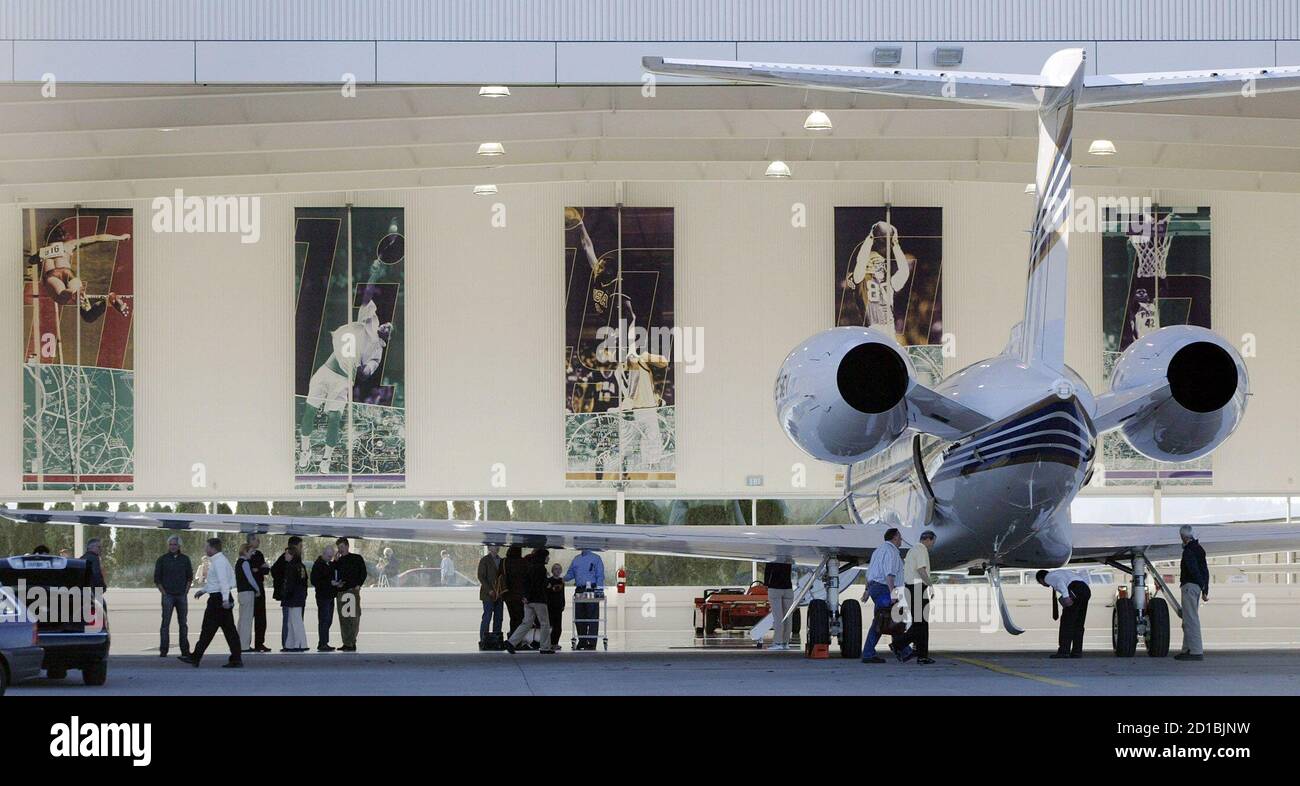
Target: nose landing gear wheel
819,624
1123,628
850,629
1157,638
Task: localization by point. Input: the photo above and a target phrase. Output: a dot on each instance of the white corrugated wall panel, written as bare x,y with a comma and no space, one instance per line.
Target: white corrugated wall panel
651,20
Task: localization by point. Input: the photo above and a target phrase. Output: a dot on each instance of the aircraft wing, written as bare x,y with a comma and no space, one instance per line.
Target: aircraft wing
1014,91
798,543
1099,542
1009,90
1117,89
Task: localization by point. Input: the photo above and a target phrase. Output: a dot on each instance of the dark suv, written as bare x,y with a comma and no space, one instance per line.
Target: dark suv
71,616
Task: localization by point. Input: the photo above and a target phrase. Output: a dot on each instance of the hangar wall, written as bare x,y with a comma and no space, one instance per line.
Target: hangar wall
485,383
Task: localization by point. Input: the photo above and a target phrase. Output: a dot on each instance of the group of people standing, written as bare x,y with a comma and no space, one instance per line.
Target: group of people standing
534,597
336,578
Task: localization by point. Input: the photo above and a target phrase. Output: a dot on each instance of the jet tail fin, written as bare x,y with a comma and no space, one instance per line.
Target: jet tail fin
1042,337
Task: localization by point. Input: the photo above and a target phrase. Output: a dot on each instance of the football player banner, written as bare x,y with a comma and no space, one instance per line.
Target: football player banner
888,273
1155,268
349,363
78,378
620,424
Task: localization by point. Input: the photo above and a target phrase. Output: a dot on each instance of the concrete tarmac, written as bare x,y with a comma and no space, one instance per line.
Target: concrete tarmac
686,672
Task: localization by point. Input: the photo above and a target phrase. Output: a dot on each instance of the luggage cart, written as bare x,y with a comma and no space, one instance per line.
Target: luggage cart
601,620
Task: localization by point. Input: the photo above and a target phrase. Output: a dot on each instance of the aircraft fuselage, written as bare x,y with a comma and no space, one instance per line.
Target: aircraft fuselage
1002,495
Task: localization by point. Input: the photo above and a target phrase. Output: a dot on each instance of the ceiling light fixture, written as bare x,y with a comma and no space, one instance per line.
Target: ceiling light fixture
1031,189
494,91
817,121
491,149
777,169
1102,147
487,189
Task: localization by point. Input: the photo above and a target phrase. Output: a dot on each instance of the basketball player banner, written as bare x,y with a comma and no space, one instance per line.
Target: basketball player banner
1155,269
349,359
78,375
888,273
620,418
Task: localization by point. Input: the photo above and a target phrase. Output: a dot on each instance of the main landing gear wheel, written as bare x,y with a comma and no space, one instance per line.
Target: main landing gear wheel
819,624
850,629
1157,638
1123,628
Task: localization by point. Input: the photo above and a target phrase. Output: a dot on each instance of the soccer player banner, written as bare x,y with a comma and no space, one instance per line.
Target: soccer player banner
78,372
349,363
1155,267
620,422
888,266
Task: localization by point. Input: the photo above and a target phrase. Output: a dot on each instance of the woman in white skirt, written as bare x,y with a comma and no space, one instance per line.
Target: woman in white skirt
293,599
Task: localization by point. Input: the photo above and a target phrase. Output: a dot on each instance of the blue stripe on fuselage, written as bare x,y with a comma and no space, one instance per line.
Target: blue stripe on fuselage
1055,430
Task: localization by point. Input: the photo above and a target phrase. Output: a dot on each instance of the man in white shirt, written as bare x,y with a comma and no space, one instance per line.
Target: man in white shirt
219,586
916,576
884,575
1071,587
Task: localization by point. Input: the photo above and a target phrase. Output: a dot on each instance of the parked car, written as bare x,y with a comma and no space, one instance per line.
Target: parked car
20,652
734,609
71,621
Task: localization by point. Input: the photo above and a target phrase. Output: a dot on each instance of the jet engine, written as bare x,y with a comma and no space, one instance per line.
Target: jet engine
840,395
1203,401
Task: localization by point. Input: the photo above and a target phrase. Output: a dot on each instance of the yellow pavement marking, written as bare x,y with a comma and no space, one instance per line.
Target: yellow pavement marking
983,664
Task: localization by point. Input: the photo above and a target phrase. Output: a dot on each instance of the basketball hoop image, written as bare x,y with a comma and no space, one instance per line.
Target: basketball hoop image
1151,245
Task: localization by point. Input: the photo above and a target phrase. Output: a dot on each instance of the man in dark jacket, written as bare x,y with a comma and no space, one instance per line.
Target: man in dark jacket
489,593
514,571
257,563
351,573
1194,578
535,610
172,575
322,580
94,565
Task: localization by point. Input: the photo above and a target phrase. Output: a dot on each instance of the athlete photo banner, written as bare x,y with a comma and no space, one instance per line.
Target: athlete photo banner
888,273
349,361
78,377
1155,269
620,418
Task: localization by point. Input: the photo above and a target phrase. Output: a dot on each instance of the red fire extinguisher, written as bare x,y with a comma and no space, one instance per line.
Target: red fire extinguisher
622,580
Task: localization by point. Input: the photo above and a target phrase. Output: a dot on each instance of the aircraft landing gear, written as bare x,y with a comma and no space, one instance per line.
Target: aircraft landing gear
830,618
1140,616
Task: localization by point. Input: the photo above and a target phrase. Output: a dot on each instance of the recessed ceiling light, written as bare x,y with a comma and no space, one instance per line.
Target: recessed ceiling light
1031,189
777,169
491,149
1102,147
817,121
166,129
494,91
485,190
